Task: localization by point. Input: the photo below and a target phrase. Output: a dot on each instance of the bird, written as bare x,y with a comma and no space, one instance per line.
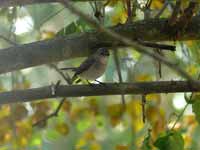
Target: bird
93,67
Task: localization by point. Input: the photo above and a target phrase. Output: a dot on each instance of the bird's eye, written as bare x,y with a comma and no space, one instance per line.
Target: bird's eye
105,53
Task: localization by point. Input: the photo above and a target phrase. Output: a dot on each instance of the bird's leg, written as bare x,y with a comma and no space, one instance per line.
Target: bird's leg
91,84
79,80
100,82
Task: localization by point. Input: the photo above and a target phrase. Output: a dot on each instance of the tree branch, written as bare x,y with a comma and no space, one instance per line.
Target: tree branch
8,3
98,90
61,48
126,41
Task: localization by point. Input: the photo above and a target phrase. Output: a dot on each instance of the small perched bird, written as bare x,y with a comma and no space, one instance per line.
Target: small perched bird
93,67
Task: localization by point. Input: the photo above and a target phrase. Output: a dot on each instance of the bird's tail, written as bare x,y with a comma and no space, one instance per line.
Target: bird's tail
74,77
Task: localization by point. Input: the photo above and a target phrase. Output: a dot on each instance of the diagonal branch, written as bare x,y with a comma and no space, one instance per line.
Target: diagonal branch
118,68
79,45
99,90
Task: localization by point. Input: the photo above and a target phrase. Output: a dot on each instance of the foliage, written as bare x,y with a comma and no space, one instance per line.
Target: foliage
97,123
170,141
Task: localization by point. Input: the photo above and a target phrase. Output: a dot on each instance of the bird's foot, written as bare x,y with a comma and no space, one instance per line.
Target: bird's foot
91,84
104,84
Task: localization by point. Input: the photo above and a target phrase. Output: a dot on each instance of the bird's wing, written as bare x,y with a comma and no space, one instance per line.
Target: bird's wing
68,68
85,65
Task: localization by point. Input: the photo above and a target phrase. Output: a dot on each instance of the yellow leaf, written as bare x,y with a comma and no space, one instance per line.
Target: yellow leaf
89,136
66,106
95,146
119,17
122,147
152,113
7,137
62,128
21,141
115,121
81,143
192,69
187,140
190,120
137,124
134,108
153,97
143,77
115,110
20,112
189,42
24,128
157,4
4,111
156,116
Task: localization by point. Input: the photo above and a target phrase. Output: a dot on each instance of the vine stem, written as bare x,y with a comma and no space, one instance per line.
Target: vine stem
179,116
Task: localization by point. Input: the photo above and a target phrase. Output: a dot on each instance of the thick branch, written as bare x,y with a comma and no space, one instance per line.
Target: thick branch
8,3
61,48
98,90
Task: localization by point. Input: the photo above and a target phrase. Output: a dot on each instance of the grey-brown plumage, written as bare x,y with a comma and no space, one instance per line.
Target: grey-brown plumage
93,67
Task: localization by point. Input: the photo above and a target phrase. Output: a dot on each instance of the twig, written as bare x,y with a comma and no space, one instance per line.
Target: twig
157,46
116,58
49,17
8,40
181,114
159,64
66,77
54,114
129,11
143,108
13,77
187,15
127,41
174,16
134,8
147,10
162,9
148,4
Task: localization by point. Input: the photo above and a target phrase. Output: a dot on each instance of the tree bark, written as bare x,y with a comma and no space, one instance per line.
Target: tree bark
99,90
71,46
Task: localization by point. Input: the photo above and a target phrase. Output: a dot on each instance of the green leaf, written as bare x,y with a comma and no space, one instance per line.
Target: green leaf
196,109
52,135
171,140
77,26
71,28
146,143
83,124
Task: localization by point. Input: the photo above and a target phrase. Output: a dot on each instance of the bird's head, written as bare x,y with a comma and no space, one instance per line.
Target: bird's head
103,52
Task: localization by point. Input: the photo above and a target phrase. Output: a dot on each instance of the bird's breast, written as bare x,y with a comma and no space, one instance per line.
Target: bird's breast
96,70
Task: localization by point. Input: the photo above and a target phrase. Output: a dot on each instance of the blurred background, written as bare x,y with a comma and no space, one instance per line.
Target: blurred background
98,122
